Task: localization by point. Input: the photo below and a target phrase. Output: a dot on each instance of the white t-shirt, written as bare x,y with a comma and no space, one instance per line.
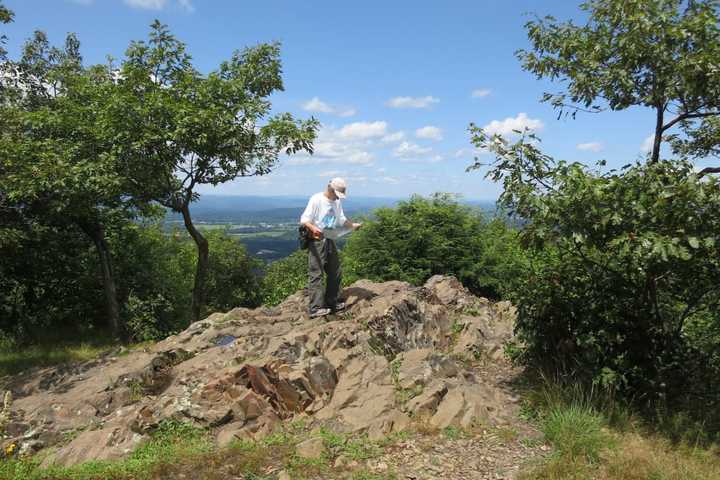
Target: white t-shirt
324,213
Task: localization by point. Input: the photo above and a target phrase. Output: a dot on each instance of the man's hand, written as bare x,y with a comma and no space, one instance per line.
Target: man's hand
356,226
315,232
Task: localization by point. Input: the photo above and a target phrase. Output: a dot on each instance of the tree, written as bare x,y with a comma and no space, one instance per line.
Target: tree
624,277
175,128
57,159
661,54
6,16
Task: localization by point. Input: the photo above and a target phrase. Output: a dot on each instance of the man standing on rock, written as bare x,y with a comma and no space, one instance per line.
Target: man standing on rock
325,222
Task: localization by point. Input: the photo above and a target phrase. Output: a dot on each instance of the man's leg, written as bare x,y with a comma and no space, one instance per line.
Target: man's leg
316,290
334,274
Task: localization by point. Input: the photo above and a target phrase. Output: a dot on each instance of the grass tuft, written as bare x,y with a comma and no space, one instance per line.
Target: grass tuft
577,432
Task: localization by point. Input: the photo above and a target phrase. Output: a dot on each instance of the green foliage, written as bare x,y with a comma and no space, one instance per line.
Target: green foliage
48,283
15,358
48,280
157,270
6,16
233,275
660,54
285,277
423,237
172,442
176,128
625,269
576,432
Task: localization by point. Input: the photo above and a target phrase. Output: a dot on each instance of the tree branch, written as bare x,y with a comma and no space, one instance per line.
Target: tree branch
707,170
687,116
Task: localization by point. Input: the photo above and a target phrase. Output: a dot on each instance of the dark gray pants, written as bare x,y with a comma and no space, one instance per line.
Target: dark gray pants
323,257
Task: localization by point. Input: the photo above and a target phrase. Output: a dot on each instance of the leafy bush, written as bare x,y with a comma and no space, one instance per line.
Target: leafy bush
145,317
48,280
156,270
285,277
423,237
233,275
625,274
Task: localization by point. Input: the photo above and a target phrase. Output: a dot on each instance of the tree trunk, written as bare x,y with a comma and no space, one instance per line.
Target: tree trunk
201,272
97,234
660,110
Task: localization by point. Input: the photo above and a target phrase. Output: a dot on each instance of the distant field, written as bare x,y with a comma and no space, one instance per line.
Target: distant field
267,226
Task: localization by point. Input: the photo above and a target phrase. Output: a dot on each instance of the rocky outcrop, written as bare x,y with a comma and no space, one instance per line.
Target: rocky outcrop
398,354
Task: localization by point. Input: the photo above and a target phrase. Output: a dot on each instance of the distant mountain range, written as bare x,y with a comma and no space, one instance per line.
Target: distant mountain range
238,209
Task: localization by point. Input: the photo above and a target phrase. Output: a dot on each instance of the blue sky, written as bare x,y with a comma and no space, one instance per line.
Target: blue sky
394,83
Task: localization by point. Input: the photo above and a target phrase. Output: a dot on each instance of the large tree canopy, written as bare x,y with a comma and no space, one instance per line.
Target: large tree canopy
57,161
662,54
6,16
175,128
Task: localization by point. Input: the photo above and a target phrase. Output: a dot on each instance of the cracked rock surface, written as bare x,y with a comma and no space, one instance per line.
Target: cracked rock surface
398,354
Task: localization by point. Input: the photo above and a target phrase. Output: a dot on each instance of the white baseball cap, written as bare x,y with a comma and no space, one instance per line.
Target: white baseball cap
338,186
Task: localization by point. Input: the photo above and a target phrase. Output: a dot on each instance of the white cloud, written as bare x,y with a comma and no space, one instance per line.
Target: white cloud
480,93
329,173
390,180
343,146
361,158
647,144
467,152
363,130
318,106
429,133
159,4
590,146
147,4
437,158
393,137
187,5
347,112
411,102
510,124
408,149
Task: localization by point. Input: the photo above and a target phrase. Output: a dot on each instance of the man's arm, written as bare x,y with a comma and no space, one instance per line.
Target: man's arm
306,219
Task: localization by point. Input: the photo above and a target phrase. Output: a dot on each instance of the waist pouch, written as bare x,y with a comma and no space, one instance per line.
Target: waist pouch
303,237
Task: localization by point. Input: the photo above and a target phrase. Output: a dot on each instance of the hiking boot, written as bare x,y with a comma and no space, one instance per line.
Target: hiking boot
339,307
320,312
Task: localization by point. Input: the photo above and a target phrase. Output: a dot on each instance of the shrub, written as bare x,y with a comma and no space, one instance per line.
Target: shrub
233,275
156,270
285,277
423,237
48,280
624,277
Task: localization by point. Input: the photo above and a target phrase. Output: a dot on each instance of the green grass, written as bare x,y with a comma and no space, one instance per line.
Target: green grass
453,433
353,447
180,450
577,432
594,437
16,360
172,442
